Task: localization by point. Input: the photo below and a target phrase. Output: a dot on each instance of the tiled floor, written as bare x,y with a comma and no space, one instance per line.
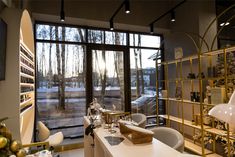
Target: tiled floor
73,153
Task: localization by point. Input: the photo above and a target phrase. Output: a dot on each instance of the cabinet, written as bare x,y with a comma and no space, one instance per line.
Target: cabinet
17,91
194,84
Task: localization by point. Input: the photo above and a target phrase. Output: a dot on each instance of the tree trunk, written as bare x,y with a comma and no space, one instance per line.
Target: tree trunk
141,69
137,71
50,77
62,96
58,58
103,78
84,56
120,70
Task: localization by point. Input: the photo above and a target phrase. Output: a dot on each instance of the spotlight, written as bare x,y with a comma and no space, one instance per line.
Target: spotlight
224,24
173,16
62,14
62,18
151,29
127,7
111,25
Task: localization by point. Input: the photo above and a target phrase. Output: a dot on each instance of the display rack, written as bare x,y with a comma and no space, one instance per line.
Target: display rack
181,111
27,77
17,91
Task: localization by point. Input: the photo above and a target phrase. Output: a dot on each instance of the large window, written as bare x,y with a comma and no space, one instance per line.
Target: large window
65,57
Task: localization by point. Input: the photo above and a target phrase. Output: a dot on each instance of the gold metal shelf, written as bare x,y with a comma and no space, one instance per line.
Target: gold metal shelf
190,145
185,101
189,123
212,53
214,155
185,122
180,60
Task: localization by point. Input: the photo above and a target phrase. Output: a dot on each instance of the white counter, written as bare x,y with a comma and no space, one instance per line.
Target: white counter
126,148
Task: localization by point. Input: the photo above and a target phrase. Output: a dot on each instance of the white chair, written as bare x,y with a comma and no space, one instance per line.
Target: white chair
44,135
139,118
170,137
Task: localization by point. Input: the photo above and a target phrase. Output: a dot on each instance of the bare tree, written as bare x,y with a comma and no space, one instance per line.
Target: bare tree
62,82
59,57
103,77
141,69
119,69
137,70
84,56
50,75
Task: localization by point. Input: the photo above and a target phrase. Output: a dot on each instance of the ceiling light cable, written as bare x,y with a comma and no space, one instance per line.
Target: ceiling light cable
111,24
62,14
127,6
172,16
127,10
151,29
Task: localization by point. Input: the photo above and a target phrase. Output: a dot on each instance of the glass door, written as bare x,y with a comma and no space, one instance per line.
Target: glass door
108,78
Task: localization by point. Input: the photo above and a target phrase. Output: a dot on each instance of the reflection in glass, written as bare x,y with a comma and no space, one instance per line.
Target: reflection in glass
143,81
144,40
108,78
116,38
50,32
95,36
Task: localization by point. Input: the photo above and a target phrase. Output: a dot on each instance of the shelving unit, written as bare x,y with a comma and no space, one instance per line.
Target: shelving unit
27,77
17,91
175,107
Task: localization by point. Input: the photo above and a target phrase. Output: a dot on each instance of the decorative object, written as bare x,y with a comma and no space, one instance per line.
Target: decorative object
197,119
178,52
136,134
191,76
164,93
201,75
178,92
217,95
225,112
208,138
8,146
211,71
195,96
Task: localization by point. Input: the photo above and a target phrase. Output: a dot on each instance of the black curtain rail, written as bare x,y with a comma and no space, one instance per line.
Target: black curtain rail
169,11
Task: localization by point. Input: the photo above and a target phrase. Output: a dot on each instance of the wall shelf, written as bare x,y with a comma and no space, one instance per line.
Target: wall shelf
195,148
175,77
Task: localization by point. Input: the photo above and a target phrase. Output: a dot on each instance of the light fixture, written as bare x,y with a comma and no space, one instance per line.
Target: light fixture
151,28
62,14
224,24
172,16
127,6
127,10
225,112
111,24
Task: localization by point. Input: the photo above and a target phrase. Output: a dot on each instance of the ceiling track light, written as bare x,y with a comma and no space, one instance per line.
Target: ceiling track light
111,25
151,29
172,16
62,14
127,6
127,10
170,11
